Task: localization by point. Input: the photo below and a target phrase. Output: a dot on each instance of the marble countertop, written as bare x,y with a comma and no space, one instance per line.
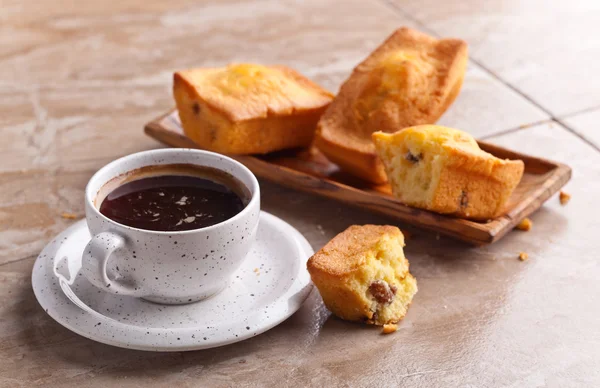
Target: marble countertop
79,80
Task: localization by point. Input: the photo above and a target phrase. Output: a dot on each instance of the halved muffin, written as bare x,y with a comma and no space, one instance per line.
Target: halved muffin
248,108
410,79
444,170
363,276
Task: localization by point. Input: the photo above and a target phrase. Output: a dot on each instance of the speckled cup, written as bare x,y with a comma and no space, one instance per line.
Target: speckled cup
167,267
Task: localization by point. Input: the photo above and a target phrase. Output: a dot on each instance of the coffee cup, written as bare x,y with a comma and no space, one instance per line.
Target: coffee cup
170,267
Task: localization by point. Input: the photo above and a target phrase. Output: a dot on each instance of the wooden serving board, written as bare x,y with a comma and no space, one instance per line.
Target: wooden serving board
308,170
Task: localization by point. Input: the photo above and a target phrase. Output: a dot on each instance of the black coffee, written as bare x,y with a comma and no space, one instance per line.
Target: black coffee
186,197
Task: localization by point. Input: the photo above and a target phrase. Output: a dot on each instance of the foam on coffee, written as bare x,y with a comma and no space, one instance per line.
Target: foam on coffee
173,197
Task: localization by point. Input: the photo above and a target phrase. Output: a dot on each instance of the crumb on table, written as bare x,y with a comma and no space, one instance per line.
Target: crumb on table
389,328
523,256
564,198
526,224
68,216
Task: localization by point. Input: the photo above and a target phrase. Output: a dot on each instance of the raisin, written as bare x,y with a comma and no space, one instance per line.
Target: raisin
464,200
413,158
196,108
382,292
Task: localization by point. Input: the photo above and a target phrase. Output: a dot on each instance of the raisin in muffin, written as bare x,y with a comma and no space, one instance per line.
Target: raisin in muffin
248,108
411,79
363,276
444,170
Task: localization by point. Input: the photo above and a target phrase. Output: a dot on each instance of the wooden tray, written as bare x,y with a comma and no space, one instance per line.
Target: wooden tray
308,170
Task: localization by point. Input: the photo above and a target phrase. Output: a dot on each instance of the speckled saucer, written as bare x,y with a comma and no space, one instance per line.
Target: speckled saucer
270,286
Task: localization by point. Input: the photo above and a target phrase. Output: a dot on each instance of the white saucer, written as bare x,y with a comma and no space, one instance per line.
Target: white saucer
269,287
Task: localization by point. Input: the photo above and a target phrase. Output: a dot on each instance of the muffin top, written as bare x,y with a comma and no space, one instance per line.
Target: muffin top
350,249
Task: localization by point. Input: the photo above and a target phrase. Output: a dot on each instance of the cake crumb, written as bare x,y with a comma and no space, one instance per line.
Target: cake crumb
564,198
526,224
389,328
68,216
523,256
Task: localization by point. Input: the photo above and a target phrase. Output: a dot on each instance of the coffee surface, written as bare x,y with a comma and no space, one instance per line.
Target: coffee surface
171,203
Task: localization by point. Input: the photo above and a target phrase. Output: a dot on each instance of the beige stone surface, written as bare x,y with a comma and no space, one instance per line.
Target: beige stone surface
545,48
79,80
587,125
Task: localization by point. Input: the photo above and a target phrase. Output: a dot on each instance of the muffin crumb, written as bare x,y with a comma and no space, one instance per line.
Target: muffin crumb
523,256
564,198
389,328
526,224
68,216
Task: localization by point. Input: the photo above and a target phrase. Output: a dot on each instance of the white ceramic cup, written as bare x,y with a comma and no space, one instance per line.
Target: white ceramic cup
167,267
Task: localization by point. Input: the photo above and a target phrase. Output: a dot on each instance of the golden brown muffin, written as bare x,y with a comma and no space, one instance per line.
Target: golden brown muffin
410,79
248,109
363,276
444,170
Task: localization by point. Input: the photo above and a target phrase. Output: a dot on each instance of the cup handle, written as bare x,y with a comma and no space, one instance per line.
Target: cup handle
94,261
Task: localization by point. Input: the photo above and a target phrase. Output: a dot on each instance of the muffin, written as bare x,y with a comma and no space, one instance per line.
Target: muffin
410,79
362,275
444,170
248,108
